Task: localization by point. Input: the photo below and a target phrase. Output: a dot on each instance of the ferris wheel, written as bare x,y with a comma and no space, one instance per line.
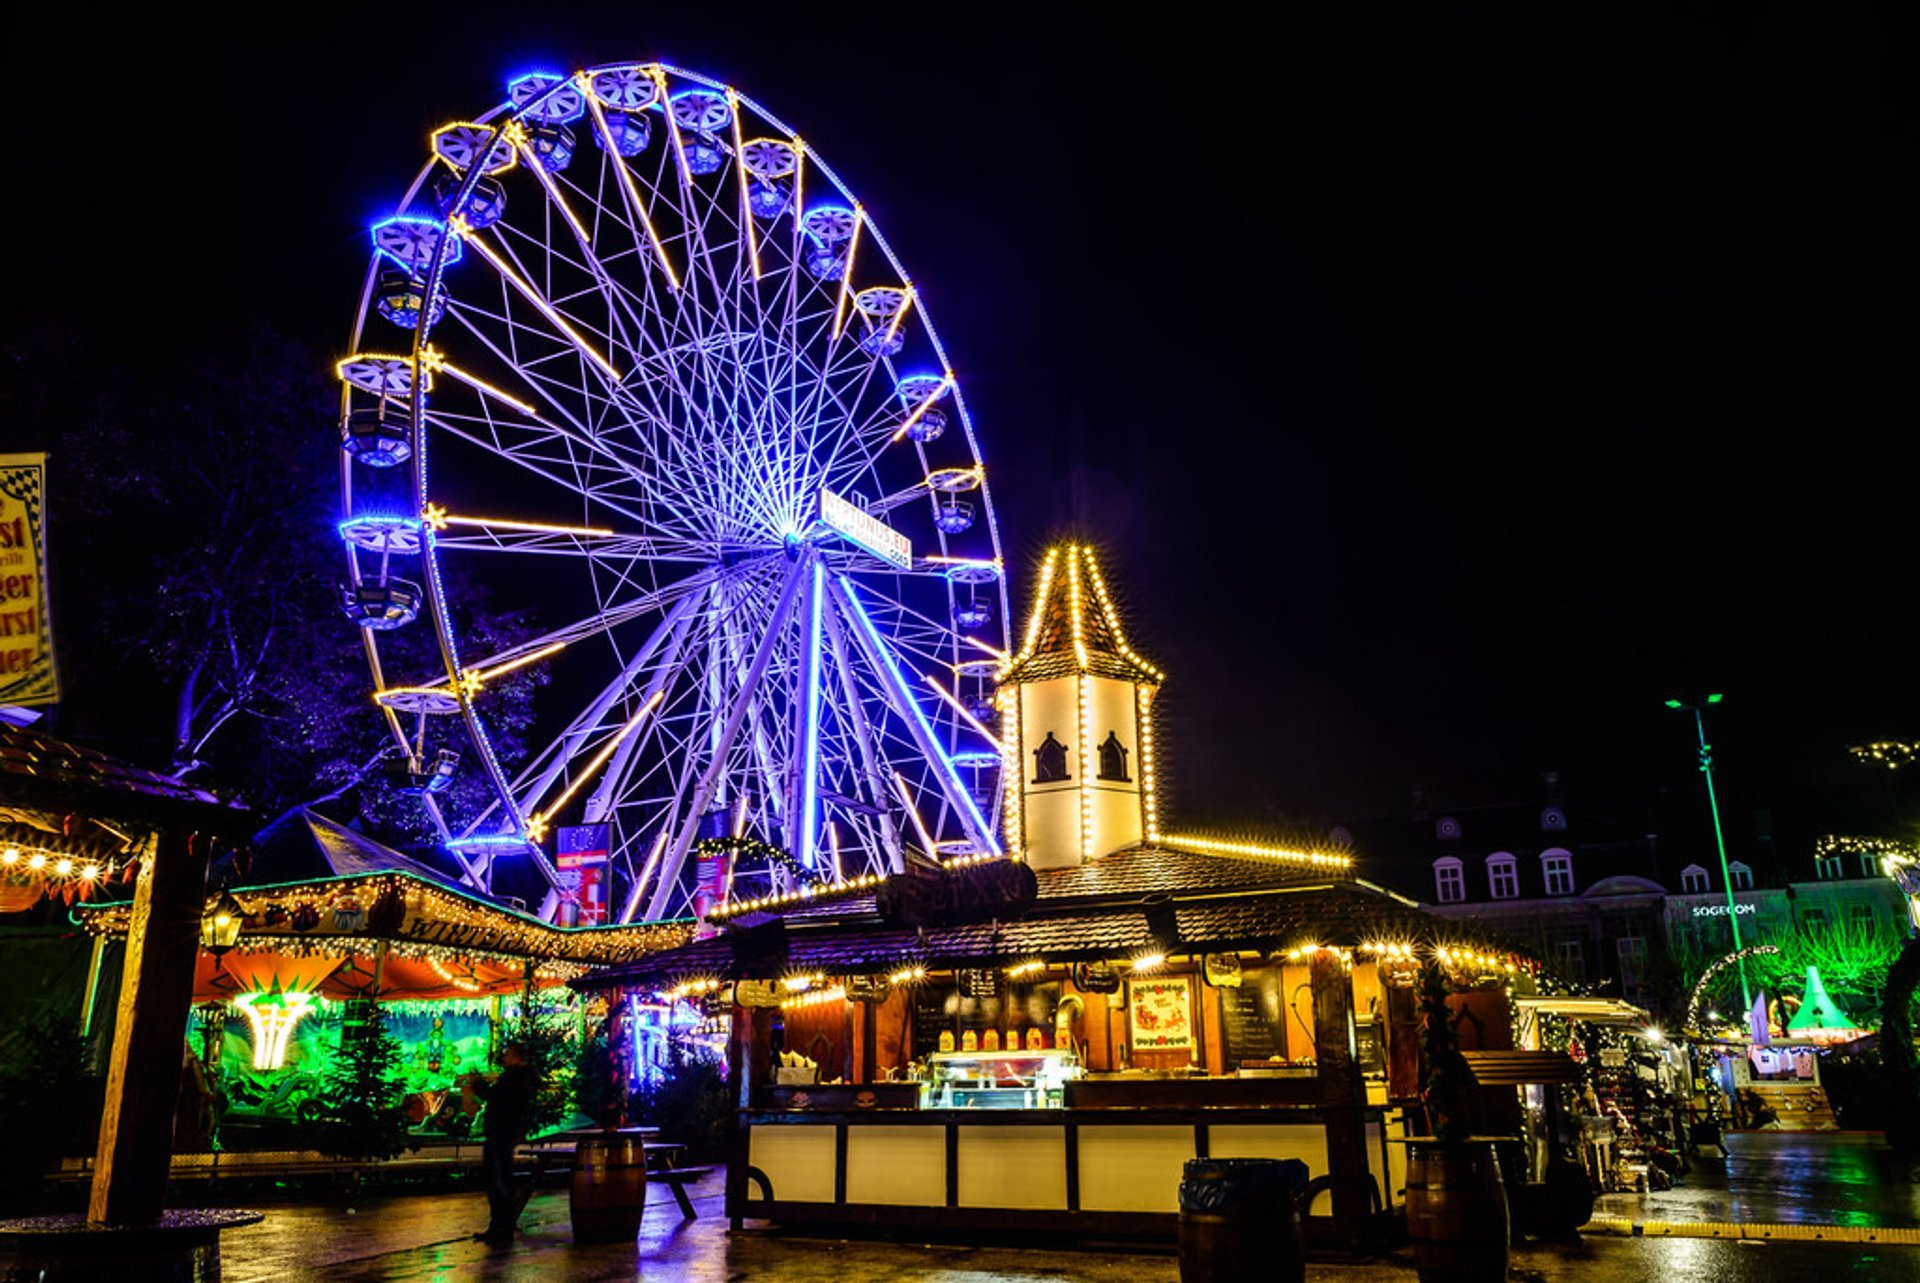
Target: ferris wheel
630,358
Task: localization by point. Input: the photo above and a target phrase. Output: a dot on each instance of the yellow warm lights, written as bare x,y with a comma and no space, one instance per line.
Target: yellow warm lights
434,363
532,296
270,1019
846,269
815,998
1020,970
544,818
810,892
1214,846
907,975
634,203
1148,961
926,403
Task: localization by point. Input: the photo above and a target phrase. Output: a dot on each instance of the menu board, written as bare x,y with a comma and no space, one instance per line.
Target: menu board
1251,1017
929,1018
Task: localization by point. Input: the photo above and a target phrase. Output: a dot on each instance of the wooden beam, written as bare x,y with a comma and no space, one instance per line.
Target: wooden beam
1343,1092
149,1035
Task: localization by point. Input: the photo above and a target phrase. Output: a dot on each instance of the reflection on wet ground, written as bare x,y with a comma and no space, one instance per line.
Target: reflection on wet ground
1787,1178
425,1239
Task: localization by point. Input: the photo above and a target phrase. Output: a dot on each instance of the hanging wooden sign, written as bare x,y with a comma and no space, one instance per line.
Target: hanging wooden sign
1222,970
868,988
1095,977
757,993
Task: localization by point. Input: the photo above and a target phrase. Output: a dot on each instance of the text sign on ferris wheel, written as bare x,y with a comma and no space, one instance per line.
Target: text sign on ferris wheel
866,530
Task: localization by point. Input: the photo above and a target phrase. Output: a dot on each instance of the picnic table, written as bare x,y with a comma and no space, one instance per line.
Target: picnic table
558,1153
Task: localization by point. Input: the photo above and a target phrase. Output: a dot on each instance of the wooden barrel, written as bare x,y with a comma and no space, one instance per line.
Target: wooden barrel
609,1190
1241,1247
1457,1212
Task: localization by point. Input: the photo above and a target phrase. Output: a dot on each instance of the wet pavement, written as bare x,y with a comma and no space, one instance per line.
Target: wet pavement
1786,1178
424,1239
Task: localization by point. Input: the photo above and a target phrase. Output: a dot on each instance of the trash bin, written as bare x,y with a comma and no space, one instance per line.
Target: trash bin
1240,1220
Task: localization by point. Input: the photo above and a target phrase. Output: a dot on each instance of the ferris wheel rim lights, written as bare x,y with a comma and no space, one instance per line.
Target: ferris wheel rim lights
524,358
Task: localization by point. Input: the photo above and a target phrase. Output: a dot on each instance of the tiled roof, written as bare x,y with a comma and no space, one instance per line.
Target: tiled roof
40,770
1165,870
1268,917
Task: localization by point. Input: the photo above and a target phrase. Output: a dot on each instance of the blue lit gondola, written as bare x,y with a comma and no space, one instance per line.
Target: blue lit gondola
382,606
972,614
953,516
378,435
400,298
485,203
552,146
705,154
629,131
928,427
767,199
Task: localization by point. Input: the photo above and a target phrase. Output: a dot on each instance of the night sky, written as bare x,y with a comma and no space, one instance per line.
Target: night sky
1446,386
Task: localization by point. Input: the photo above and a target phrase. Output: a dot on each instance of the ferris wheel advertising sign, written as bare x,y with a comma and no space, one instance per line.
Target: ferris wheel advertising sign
26,627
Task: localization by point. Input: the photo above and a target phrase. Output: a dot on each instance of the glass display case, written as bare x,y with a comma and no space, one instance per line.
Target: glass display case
998,1079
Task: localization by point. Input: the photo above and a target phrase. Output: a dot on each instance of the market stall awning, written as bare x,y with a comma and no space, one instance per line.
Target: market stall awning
353,975
1595,1011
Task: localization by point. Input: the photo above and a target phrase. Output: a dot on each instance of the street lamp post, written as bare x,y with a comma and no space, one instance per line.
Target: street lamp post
1719,838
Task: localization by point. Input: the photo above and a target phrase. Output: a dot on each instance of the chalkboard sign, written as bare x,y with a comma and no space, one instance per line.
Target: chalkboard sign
1251,1017
930,1016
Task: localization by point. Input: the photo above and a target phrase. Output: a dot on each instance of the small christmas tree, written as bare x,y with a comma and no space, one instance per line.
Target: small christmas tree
366,1115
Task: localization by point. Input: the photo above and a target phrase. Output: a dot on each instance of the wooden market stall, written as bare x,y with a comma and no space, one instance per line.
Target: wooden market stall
989,1045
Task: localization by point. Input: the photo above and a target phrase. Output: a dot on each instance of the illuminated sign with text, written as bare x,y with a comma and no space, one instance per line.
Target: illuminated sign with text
866,530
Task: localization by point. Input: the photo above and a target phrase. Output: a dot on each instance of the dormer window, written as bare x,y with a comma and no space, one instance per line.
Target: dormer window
1049,761
1827,868
1503,877
1693,880
1556,870
1869,865
1449,885
1447,829
1113,758
1739,876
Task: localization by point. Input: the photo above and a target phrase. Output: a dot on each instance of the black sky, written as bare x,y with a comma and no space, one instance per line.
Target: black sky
1446,384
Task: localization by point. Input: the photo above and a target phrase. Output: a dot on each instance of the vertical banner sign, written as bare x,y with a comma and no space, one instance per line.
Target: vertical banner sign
580,854
26,625
710,883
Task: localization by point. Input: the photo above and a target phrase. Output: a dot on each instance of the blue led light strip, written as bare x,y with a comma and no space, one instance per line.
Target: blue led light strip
810,753
923,729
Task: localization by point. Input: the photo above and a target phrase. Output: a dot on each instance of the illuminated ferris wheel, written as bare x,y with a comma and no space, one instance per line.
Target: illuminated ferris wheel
632,356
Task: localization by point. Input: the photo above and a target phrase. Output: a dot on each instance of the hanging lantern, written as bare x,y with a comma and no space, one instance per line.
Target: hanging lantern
220,928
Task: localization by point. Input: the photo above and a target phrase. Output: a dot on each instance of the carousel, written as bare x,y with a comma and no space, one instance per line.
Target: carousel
325,922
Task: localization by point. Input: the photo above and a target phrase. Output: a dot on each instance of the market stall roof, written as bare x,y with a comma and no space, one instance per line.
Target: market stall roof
303,845
353,973
1597,1011
1133,902
45,773
414,915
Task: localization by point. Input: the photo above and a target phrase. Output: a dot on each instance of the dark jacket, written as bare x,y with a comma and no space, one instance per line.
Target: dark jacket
509,1104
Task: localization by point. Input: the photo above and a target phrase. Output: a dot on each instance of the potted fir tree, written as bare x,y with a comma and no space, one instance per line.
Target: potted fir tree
1456,1203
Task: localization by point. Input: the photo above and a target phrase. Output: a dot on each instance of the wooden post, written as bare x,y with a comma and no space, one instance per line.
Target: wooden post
149,1036
749,1064
1343,1093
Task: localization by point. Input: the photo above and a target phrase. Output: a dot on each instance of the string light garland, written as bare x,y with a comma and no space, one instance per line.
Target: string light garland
1254,850
415,918
1891,852
1706,978
1892,754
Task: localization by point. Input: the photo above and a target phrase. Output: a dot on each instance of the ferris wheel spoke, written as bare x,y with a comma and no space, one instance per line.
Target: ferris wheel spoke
905,704
865,758
726,731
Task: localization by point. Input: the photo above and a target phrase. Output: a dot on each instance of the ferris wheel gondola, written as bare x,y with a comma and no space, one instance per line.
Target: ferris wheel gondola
631,358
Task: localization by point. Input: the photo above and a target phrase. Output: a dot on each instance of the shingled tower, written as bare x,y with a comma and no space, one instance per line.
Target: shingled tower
1074,715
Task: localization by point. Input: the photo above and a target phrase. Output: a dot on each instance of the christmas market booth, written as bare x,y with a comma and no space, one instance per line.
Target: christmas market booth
325,926
987,1044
